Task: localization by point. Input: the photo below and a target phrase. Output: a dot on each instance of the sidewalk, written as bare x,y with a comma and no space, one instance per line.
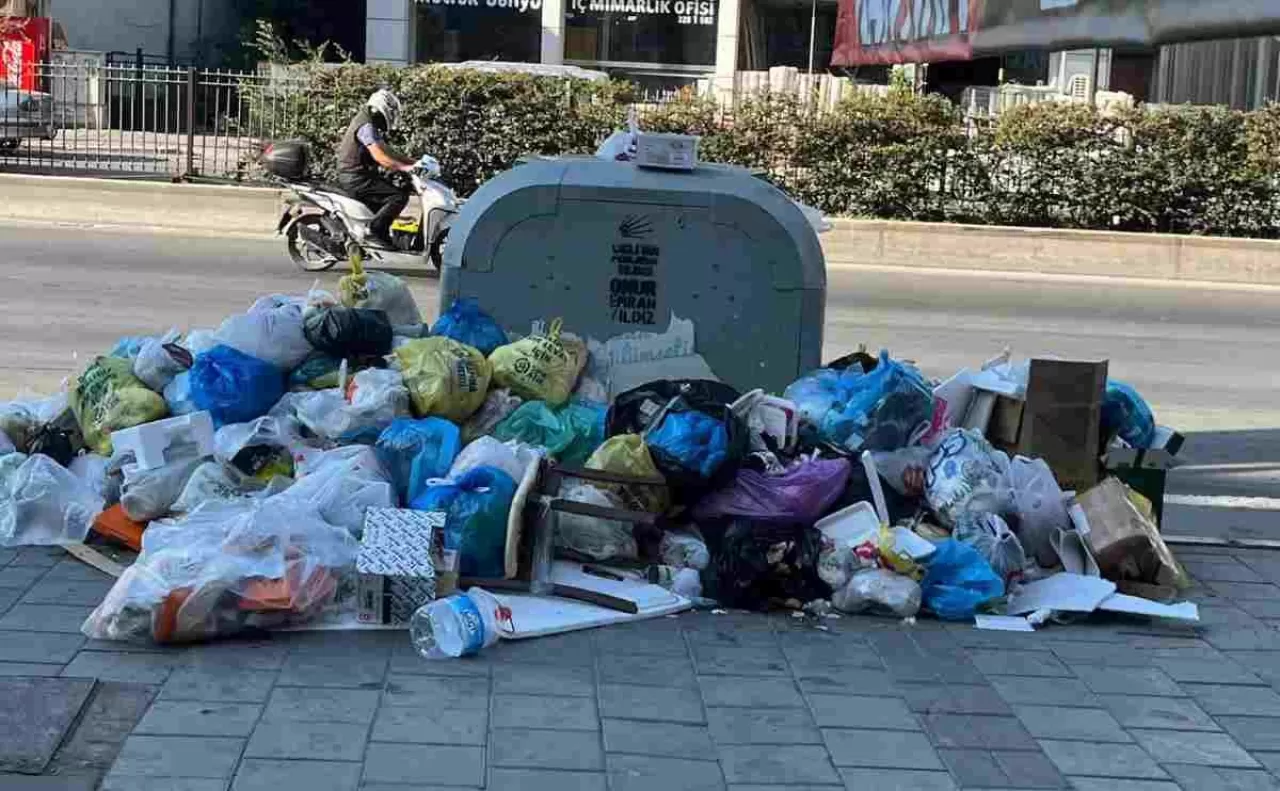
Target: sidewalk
700,701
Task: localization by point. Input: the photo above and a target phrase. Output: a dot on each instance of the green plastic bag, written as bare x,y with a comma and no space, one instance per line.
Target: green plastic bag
569,434
108,397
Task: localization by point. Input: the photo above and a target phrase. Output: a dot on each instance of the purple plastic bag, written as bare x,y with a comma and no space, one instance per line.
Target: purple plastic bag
801,495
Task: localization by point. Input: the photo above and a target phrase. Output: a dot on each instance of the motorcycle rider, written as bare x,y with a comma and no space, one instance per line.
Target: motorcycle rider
362,150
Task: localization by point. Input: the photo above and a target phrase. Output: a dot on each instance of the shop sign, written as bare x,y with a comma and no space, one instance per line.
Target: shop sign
686,12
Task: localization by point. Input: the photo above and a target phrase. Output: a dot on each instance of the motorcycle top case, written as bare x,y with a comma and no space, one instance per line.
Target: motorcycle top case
286,159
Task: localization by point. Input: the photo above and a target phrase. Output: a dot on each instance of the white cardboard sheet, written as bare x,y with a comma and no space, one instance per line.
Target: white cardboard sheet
1063,593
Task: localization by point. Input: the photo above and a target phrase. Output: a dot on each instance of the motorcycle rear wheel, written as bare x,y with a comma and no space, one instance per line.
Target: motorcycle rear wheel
305,255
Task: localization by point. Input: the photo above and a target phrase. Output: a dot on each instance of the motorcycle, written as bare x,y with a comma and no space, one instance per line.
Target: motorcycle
322,225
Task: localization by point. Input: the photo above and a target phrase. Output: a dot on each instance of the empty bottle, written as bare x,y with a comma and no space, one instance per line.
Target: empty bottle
459,625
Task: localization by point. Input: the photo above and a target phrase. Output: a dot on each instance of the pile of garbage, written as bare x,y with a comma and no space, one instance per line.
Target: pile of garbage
318,447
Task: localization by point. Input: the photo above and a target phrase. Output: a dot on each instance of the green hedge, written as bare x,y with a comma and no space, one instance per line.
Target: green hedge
1203,170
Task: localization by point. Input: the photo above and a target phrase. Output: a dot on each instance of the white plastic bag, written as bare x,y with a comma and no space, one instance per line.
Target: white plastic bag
272,333
95,473
684,549
200,341
149,494
991,536
217,484
377,397
343,483
966,474
879,591
390,294
600,539
513,457
1041,508
42,503
154,365
235,437
6,444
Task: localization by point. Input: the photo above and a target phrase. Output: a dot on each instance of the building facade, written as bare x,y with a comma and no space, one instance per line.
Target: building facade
658,43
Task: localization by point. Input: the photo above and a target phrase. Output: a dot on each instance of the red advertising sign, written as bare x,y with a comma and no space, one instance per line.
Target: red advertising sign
24,44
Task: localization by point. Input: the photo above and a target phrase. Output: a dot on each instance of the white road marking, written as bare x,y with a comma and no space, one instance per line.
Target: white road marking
1224,501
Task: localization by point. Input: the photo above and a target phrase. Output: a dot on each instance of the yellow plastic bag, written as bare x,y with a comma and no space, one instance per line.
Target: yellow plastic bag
108,397
627,454
445,378
540,367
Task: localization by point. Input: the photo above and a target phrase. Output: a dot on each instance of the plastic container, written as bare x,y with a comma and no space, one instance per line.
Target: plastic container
460,625
859,523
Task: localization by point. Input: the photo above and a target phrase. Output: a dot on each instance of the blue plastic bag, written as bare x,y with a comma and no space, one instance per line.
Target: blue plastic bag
958,581
466,323
477,504
1125,413
696,442
177,394
416,451
879,410
128,347
234,387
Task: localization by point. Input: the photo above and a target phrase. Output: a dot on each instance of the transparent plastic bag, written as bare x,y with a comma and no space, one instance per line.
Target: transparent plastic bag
966,474
497,406
374,399
177,395
513,458
344,483
42,503
599,539
991,536
879,591
684,549
540,367
272,331
150,494
216,483
261,449
958,581
95,473
19,423
445,378
160,360
416,451
6,444
224,569
1041,508
380,291
465,322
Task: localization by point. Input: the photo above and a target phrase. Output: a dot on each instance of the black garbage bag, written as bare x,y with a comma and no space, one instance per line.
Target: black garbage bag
762,565
56,443
348,332
694,454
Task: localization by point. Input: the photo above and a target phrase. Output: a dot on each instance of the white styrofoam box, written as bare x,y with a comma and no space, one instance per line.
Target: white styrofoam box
859,523
666,151
149,441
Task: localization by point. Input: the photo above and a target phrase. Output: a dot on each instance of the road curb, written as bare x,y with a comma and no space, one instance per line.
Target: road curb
885,243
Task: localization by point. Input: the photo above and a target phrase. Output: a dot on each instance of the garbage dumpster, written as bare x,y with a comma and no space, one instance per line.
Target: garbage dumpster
613,249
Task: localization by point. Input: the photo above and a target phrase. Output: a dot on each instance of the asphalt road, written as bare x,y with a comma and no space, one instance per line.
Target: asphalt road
1205,357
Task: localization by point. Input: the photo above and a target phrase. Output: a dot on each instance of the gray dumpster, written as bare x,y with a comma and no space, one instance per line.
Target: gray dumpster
614,249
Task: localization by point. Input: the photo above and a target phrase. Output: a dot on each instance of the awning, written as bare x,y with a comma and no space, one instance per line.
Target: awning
920,31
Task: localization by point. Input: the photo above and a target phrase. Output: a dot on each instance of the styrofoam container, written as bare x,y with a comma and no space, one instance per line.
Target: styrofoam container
858,523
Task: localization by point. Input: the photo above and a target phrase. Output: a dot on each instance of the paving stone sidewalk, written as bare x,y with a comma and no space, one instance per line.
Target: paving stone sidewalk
699,701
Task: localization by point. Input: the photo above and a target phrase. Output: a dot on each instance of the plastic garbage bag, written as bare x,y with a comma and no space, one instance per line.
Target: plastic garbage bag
200,341
161,359
569,434
127,347
260,449
216,483
416,451
465,322
149,494
445,378
879,410
684,549
18,422
497,406
879,591
540,367
801,494
319,371
348,332
272,331
6,444
958,581
95,473
1041,508
627,454
374,398
478,505
177,395
764,564
225,569
1126,414
991,536
233,386
513,458
966,475
344,483
42,503
54,442
107,397
697,443
593,538
380,291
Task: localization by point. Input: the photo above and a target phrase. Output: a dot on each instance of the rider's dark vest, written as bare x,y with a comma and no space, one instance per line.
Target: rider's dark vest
353,158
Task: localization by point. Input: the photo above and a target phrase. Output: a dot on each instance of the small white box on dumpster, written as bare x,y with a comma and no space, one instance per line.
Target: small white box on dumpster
396,565
666,152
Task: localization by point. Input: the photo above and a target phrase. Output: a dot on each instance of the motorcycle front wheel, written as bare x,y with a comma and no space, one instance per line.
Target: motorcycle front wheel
308,256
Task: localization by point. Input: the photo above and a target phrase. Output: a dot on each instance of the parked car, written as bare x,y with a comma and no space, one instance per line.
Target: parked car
25,115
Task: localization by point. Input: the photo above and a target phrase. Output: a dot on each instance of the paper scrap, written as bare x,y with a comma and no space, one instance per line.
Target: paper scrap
1120,602
1063,593
1003,623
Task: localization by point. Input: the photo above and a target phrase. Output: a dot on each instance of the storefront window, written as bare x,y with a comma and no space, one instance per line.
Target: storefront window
780,32
670,32
450,31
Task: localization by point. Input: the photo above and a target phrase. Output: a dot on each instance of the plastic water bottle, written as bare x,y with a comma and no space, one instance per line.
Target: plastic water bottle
459,625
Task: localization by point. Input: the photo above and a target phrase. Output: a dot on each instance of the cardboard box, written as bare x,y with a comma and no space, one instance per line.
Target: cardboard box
397,563
1062,417
1146,470
1126,545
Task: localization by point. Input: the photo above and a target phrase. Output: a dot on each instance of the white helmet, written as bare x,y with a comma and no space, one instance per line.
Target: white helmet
385,103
